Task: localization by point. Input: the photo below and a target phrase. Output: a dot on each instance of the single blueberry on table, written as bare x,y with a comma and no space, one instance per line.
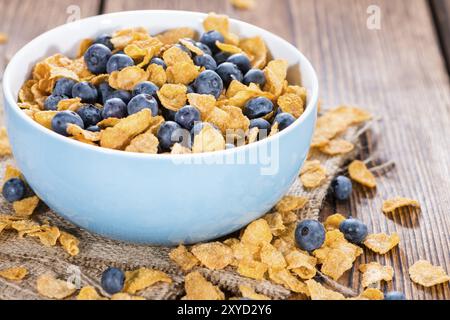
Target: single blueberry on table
209,38
104,90
62,119
187,117
86,91
113,280
394,295
96,58
341,187
94,129
258,107
158,61
146,87
354,230
90,114
255,76
228,72
143,101
123,95
14,190
118,62
51,103
242,62
221,57
170,133
204,48
63,87
114,108
205,61
309,235
209,82
284,120
104,39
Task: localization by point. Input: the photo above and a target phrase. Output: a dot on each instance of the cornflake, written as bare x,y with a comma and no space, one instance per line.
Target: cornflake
396,203
291,103
336,147
243,4
182,73
50,287
215,255
291,203
319,292
26,206
313,174
157,74
250,268
198,288
424,273
89,293
220,23
143,278
381,243
374,272
172,36
208,140
276,72
5,148
173,96
16,274
183,258
333,222
371,294
144,143
258,233
359,173
285,278
69,243
270,256
302,264
203,102
45,118
276,223
127,78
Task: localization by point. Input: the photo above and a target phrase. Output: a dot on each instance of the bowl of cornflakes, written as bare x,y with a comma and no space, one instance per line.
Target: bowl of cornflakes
160,127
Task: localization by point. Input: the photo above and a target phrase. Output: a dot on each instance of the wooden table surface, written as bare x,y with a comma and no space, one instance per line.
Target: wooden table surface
398,72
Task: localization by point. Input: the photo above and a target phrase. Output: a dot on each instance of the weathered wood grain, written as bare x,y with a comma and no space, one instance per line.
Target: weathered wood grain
441,11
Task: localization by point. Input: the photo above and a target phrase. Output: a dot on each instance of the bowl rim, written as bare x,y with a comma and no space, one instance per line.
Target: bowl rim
11,101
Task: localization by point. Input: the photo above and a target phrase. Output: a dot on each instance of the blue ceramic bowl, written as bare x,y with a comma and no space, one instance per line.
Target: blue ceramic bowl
155,199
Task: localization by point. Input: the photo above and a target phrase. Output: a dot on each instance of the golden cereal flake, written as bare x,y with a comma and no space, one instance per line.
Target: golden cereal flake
182,73
252,269
291,103
220,23
144,143
143,278
228,48
15,274
258,232
48,235
122,38
180,149
127,78
173,96
157,74
302,264
12,172
256,50
69,104
313,174
243,4
3,38
319,292
89,293
143,50
275,221
371,294
183,258
333,222
249,293
337,147
273,258
291,203
275,72
198,288
214,256
381,243
5,148
209,139
26,206
358,172
424,273
69,243
50,287
84,45
81,134
393,204
203,102
45,118
286,279
172,36
374,272
175,55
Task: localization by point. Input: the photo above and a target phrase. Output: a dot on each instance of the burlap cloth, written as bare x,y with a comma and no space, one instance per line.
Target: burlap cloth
98,253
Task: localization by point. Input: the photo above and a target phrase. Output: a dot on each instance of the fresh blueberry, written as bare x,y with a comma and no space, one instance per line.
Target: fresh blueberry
104,39
168,114
309,235
104,91
90,115
143,101
209,38
228,72
86,91
170,133
96,58
354,230
394,295
221,57
94,129
14,190
284,120
190,89
242,62
209,82
204,48
229,146
123,95
205,61
158,61
118,62
63,87
341,187
114,108
258,107
263,126
113,280
146,87
255,76
187,116
51,103
180,46
63,118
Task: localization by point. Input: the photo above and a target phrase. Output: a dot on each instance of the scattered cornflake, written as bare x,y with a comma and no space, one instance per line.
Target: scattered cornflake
16,273
358,172
5,148
173,96
302,264
183,258
89,293
26,206
291,203
374,272
273,258
424,273
198,288
69,243
285,278
258,232
381,243
249,293
243,4
125,296
393,204
50,287
3,38
333,222
252,269
143,278
214,256
319,292
337,147
275,221
371,294
313,174
48,235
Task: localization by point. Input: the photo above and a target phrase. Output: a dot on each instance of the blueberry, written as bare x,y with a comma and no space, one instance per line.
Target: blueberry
96,58
114,108
209,82
118,62
205,61
354,230
204,48
258,107
143,101
255,76
394,295
113,280
51,103
104,91
90,115
263,126
63,118
309,235
187,116
158,61
86,91
229,72
221,57
146,87
229,146
94,129
170,133
242,62
63,87
180,46
190,89
209,38
123,95
104,39
341,187
284,120
14,190
168,114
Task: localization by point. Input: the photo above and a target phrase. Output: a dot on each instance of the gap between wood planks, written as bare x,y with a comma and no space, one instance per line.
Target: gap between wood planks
440,13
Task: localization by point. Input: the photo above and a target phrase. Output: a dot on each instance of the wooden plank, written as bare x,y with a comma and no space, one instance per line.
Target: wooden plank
441,14
398,73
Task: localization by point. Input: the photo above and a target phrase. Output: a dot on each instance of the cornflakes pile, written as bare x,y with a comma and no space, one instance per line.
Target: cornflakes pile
168,93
